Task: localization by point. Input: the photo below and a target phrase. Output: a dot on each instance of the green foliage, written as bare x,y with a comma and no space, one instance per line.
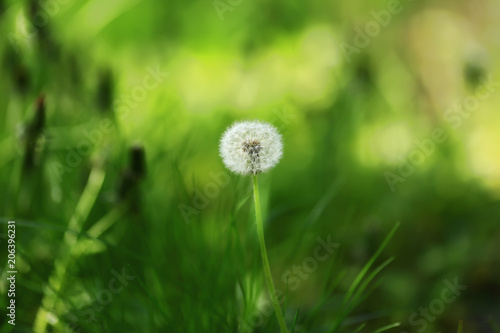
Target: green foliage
126,220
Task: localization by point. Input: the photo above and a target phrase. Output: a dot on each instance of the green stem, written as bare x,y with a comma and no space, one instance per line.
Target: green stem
67,253
265,261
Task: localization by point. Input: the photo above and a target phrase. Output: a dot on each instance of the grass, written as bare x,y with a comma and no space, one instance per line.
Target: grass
126,219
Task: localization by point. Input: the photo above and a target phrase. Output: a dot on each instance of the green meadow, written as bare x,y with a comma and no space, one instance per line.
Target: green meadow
381,216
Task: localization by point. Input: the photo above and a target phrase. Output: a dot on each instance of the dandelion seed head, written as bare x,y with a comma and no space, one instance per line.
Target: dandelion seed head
251,147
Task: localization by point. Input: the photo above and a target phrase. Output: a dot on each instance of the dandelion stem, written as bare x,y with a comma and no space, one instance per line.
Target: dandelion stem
265,261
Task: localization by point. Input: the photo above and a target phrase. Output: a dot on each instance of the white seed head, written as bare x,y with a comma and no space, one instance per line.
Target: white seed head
251,147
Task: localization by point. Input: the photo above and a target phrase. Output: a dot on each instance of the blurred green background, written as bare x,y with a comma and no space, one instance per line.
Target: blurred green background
127,221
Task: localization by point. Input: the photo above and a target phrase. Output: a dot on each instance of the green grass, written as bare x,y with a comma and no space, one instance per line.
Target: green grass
148,195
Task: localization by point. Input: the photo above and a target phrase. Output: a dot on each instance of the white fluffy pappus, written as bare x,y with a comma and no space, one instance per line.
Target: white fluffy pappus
251,147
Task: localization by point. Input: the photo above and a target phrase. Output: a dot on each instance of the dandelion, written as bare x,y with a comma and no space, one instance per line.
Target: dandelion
249,148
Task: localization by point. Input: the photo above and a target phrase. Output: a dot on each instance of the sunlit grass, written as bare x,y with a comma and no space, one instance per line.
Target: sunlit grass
344,124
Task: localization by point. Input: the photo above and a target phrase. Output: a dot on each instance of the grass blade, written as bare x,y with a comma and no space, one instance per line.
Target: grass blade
387,327
295,319
359,278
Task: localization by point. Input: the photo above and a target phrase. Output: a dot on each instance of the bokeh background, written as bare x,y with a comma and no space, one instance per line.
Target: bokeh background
110,119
